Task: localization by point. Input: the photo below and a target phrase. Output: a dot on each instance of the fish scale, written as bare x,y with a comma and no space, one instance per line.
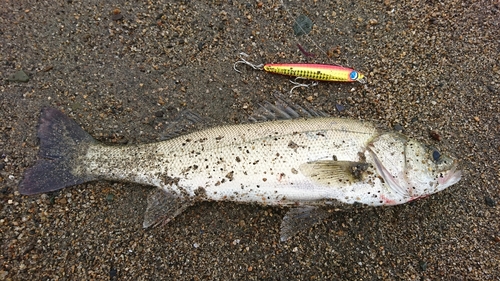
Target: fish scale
248,163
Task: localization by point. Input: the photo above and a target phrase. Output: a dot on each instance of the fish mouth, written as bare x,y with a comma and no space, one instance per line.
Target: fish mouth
452,177
388,177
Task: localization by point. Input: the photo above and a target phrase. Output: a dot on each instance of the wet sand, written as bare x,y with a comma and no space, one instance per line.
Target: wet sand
123,71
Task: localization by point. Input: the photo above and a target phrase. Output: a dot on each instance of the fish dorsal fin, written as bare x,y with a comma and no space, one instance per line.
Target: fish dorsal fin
326,172
282,110
300,219
163,206
186,121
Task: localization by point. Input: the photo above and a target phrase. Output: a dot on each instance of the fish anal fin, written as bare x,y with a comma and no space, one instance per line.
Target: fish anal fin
300,219
163,206
328,171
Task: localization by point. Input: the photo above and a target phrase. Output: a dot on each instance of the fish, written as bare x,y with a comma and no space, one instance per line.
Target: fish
304,162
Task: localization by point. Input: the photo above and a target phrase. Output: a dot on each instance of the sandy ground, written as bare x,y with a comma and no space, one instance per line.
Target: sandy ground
123,74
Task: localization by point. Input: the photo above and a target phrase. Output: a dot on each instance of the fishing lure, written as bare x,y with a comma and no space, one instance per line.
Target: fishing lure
321,72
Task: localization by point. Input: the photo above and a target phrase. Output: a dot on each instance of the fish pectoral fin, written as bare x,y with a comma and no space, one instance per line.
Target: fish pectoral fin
327,171
301,218
163,206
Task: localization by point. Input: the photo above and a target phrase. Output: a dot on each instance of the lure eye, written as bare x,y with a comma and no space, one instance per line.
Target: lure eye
354,75
436,155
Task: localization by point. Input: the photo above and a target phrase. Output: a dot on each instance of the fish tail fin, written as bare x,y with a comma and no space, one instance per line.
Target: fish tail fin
62,140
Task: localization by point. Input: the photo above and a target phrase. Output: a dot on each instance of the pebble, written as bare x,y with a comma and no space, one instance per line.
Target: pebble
19,76
490,202
159,113
116,15
435,135
110,197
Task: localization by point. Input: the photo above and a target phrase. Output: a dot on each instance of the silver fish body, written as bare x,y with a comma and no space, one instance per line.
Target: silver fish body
260,162
296,162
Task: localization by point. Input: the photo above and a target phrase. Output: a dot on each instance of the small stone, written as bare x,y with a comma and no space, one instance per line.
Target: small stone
490,202
113,273
200,45
116,17
19,76
340,107
47,68
110,197
435,135
398,128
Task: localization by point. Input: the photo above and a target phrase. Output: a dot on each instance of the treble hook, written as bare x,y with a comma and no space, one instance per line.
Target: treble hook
244,61
362,80
297,84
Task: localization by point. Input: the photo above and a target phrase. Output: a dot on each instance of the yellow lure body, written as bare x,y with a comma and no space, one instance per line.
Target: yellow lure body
322,72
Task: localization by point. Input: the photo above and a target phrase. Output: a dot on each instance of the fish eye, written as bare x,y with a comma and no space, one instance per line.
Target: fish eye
353,75
436,155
